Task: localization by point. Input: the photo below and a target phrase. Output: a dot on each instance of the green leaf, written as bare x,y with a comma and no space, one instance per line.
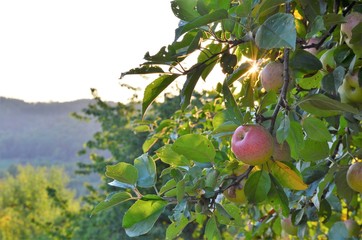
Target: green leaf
312,9
257,187
195,147
228,62
141,216
122,172
174,229
314,173
224,117
146,171
325,211
112,199
167,186
314,151
277,195
225,129
316,26
118,184
295,139
167,155
316,129
189,86
166,55
268,6
356,40
310,82
231,104
201,21
145,69
221,211
185,9
343,189
304,62
323,106
180,188
338,231
211,230
331,19
205,57
283,129
155,88
238,72
269,99
207,6
286,176
277,31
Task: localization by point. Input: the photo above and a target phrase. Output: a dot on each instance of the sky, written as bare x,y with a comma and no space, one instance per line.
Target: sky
56,50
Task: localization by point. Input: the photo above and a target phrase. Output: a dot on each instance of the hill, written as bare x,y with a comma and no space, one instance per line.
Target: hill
42,133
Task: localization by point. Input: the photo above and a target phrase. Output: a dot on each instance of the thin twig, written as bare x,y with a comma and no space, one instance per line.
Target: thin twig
331,30
282,101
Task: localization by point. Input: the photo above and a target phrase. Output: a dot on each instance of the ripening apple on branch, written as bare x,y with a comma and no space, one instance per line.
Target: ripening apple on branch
328,61
354,177
350,91
352,20
236,193
271,76
252,144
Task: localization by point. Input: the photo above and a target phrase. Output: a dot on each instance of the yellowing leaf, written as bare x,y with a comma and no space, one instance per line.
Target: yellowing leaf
286,176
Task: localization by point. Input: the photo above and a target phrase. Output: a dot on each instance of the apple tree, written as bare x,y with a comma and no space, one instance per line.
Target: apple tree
267,152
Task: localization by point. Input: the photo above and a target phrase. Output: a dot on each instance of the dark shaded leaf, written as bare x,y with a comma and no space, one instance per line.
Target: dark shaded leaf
277,31
323,106
257,187
201,21
155,88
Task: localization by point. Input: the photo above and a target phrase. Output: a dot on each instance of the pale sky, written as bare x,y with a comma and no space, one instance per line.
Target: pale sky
56,50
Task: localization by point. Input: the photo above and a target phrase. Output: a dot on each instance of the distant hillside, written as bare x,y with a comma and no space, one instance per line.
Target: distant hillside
42,133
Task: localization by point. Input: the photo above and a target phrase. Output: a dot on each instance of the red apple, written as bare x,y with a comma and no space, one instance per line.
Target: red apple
354,176
352,227
281,151
313,50
271,76
352,20
252,144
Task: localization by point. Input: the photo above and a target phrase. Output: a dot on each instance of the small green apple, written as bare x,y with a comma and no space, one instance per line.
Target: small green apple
252,144
350,91
271,76
327,60
236,193
352,227
354,177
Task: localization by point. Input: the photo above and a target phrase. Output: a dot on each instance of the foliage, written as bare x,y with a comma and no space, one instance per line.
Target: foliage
35,204
187,164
